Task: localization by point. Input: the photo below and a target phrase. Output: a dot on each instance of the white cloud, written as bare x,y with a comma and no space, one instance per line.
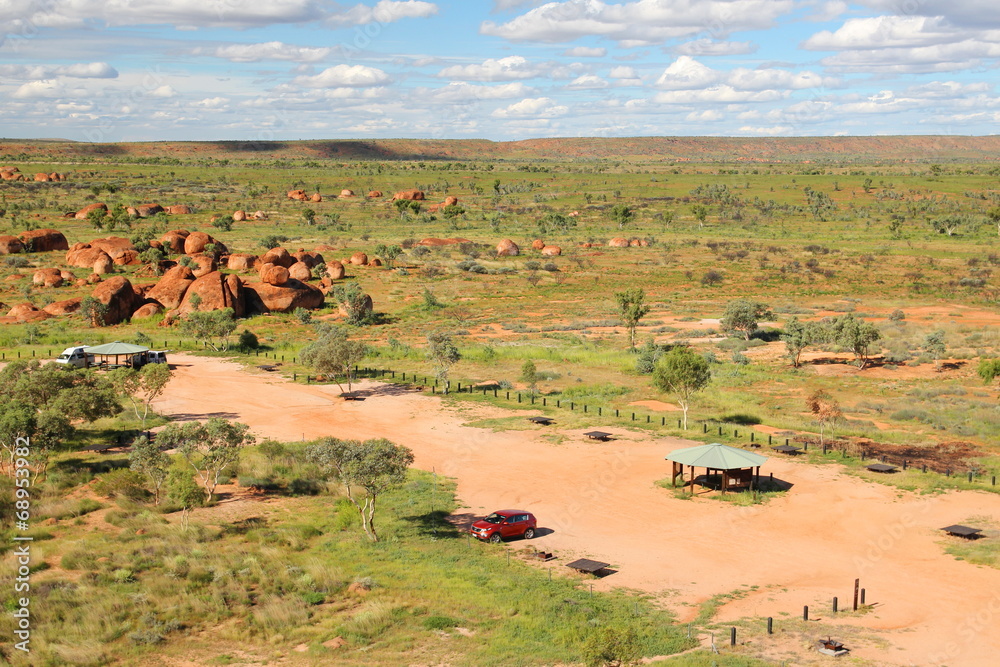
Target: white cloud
829,11
31,14
947,89
881,32
779,130
75,71
962,13
467,92
351,76
532,107
164,91
686,73
587,82
510,68
585,52
706,116
880,103
252,53
720,94
212,103
640,22
710,47
385,11
763,79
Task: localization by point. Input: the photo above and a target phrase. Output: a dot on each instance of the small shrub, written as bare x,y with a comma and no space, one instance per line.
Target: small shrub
439,622
121,483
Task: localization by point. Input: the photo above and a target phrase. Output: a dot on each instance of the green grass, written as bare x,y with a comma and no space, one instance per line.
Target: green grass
274,582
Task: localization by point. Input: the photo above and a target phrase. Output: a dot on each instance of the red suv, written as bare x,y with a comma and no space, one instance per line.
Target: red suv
503,524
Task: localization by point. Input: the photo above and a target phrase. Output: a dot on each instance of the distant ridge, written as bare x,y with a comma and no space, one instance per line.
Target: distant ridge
686,149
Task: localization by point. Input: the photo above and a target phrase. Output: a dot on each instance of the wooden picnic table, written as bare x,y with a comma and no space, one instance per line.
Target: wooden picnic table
598,435
587,566
268,367
787,449
543,421
882,467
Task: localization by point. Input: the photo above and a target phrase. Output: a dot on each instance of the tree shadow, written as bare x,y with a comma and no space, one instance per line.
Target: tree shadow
436,523
72,465
192,416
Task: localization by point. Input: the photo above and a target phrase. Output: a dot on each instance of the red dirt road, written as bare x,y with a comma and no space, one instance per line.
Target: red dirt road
599,500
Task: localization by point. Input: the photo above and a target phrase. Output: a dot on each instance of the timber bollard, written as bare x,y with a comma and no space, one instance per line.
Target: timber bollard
770,625
970,476
704,428
600,410
805,613
857,585
519,397
732,636
633,416
544,401
834,605
769,438
862,597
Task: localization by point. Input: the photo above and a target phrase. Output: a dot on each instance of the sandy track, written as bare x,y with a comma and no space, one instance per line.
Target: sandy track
599,500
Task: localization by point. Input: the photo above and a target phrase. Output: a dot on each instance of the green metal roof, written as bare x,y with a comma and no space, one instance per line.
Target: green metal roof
716,456
116,348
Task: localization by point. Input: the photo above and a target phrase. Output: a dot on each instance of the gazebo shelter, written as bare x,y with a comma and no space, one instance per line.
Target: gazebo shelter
134,355
738,468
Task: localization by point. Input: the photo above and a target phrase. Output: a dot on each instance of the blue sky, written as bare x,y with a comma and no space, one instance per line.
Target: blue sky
128,70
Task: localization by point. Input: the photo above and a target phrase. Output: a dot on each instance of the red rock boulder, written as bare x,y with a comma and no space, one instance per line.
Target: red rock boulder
103,264
551,251
345,193
507,248
118,249
618,243
204,264
147,210
263,297
300,271
173,241
216,291
10,245
538,244
239,216
44,240
241,261
310,258
147,310
412,195
85,211
359,259
48,278
66,307
273,274
119,296
450,201
260,215
374,194
277,256
42,177
196,242
179,209
375,262
172,286
317,198
335,270
27,312
297,195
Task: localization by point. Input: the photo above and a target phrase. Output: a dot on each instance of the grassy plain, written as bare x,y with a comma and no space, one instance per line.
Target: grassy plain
811,238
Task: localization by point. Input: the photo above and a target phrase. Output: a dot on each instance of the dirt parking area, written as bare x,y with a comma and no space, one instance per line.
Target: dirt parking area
599,500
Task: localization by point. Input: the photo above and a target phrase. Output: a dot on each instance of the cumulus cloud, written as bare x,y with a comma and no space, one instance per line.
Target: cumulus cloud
75,71
706,116
29,14
640,22
587,82
164,91
778,130
585,52
347,76
532,107
711,47
963,13
686,73
904,44
763,79
252,53
467,92
385,11
720,94
510,68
